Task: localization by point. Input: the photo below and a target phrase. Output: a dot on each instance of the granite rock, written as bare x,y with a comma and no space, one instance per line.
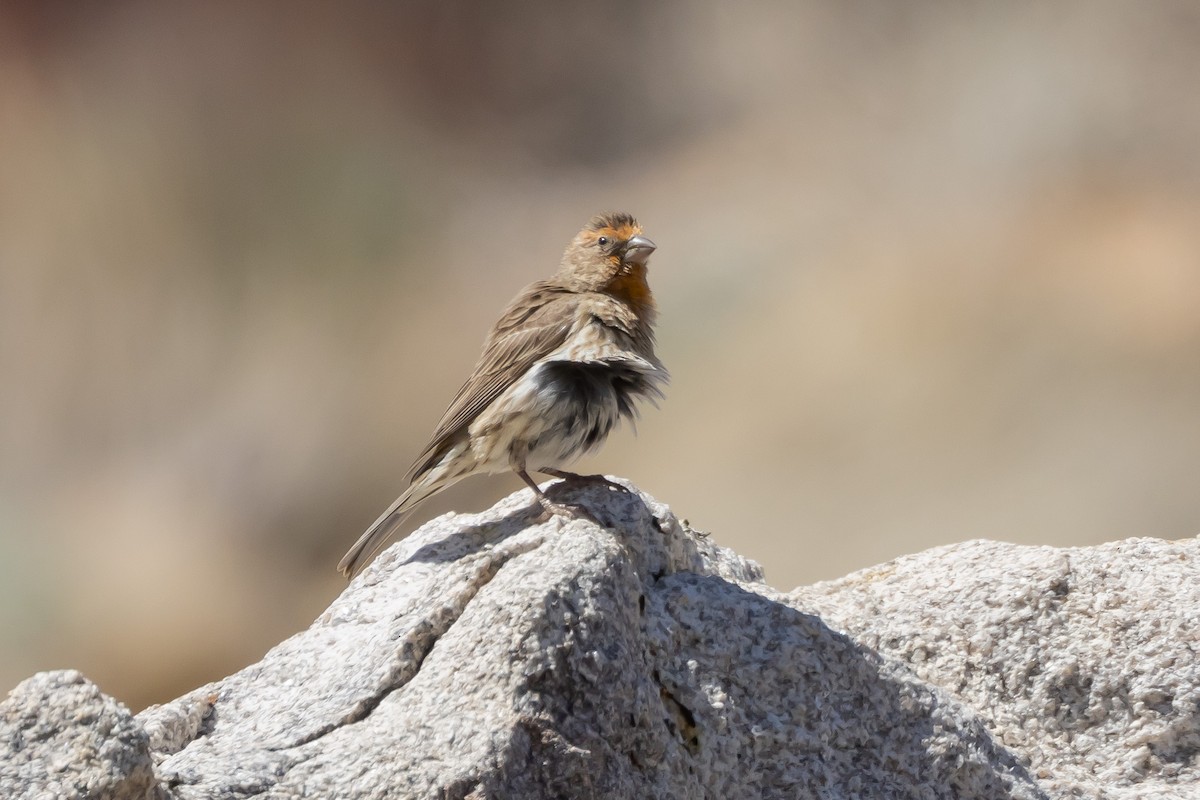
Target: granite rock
60,737
624,654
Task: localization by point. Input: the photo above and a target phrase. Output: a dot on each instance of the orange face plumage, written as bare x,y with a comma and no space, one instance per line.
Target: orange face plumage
609,255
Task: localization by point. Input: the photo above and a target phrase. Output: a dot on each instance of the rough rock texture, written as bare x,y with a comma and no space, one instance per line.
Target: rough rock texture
1085,661
496,655
60,737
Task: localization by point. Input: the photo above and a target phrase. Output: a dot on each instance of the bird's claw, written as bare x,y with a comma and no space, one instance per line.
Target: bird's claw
571,511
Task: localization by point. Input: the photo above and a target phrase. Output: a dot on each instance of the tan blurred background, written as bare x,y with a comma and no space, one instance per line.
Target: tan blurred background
927,272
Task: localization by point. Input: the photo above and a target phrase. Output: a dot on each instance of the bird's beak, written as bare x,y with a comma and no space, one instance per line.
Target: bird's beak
638,249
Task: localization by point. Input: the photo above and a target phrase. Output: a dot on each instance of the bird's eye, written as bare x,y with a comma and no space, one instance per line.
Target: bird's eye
603,240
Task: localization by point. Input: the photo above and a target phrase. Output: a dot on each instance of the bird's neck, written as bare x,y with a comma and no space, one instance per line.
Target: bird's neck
632,289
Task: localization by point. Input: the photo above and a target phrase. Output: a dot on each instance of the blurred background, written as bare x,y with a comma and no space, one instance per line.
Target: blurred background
927,272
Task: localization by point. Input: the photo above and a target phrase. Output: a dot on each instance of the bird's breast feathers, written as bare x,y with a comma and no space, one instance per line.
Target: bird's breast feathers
631,288
604,330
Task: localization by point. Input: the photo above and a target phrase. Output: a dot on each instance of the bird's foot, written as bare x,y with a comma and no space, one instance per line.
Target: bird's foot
570,511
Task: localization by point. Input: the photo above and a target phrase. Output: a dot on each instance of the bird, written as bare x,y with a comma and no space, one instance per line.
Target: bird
570,357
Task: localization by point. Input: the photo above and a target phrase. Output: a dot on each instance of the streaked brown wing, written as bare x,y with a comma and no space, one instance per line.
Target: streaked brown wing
534,325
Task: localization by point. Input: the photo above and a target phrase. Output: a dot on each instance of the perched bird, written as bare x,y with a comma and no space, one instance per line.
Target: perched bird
565,362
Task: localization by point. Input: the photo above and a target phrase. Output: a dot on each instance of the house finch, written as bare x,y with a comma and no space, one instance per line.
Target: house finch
566,361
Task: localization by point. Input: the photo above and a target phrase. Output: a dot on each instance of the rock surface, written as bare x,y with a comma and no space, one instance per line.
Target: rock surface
500,655
1085,661
60,737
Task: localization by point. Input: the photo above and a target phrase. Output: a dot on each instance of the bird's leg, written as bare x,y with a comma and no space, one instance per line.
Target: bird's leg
562,473
575,476
532,484
549,505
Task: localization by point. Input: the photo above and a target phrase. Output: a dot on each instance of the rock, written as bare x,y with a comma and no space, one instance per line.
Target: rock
499,655
60,737
1086,661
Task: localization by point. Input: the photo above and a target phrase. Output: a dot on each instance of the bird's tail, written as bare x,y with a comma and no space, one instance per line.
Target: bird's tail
376,536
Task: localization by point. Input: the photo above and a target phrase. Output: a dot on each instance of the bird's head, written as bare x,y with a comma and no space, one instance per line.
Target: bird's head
609,255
